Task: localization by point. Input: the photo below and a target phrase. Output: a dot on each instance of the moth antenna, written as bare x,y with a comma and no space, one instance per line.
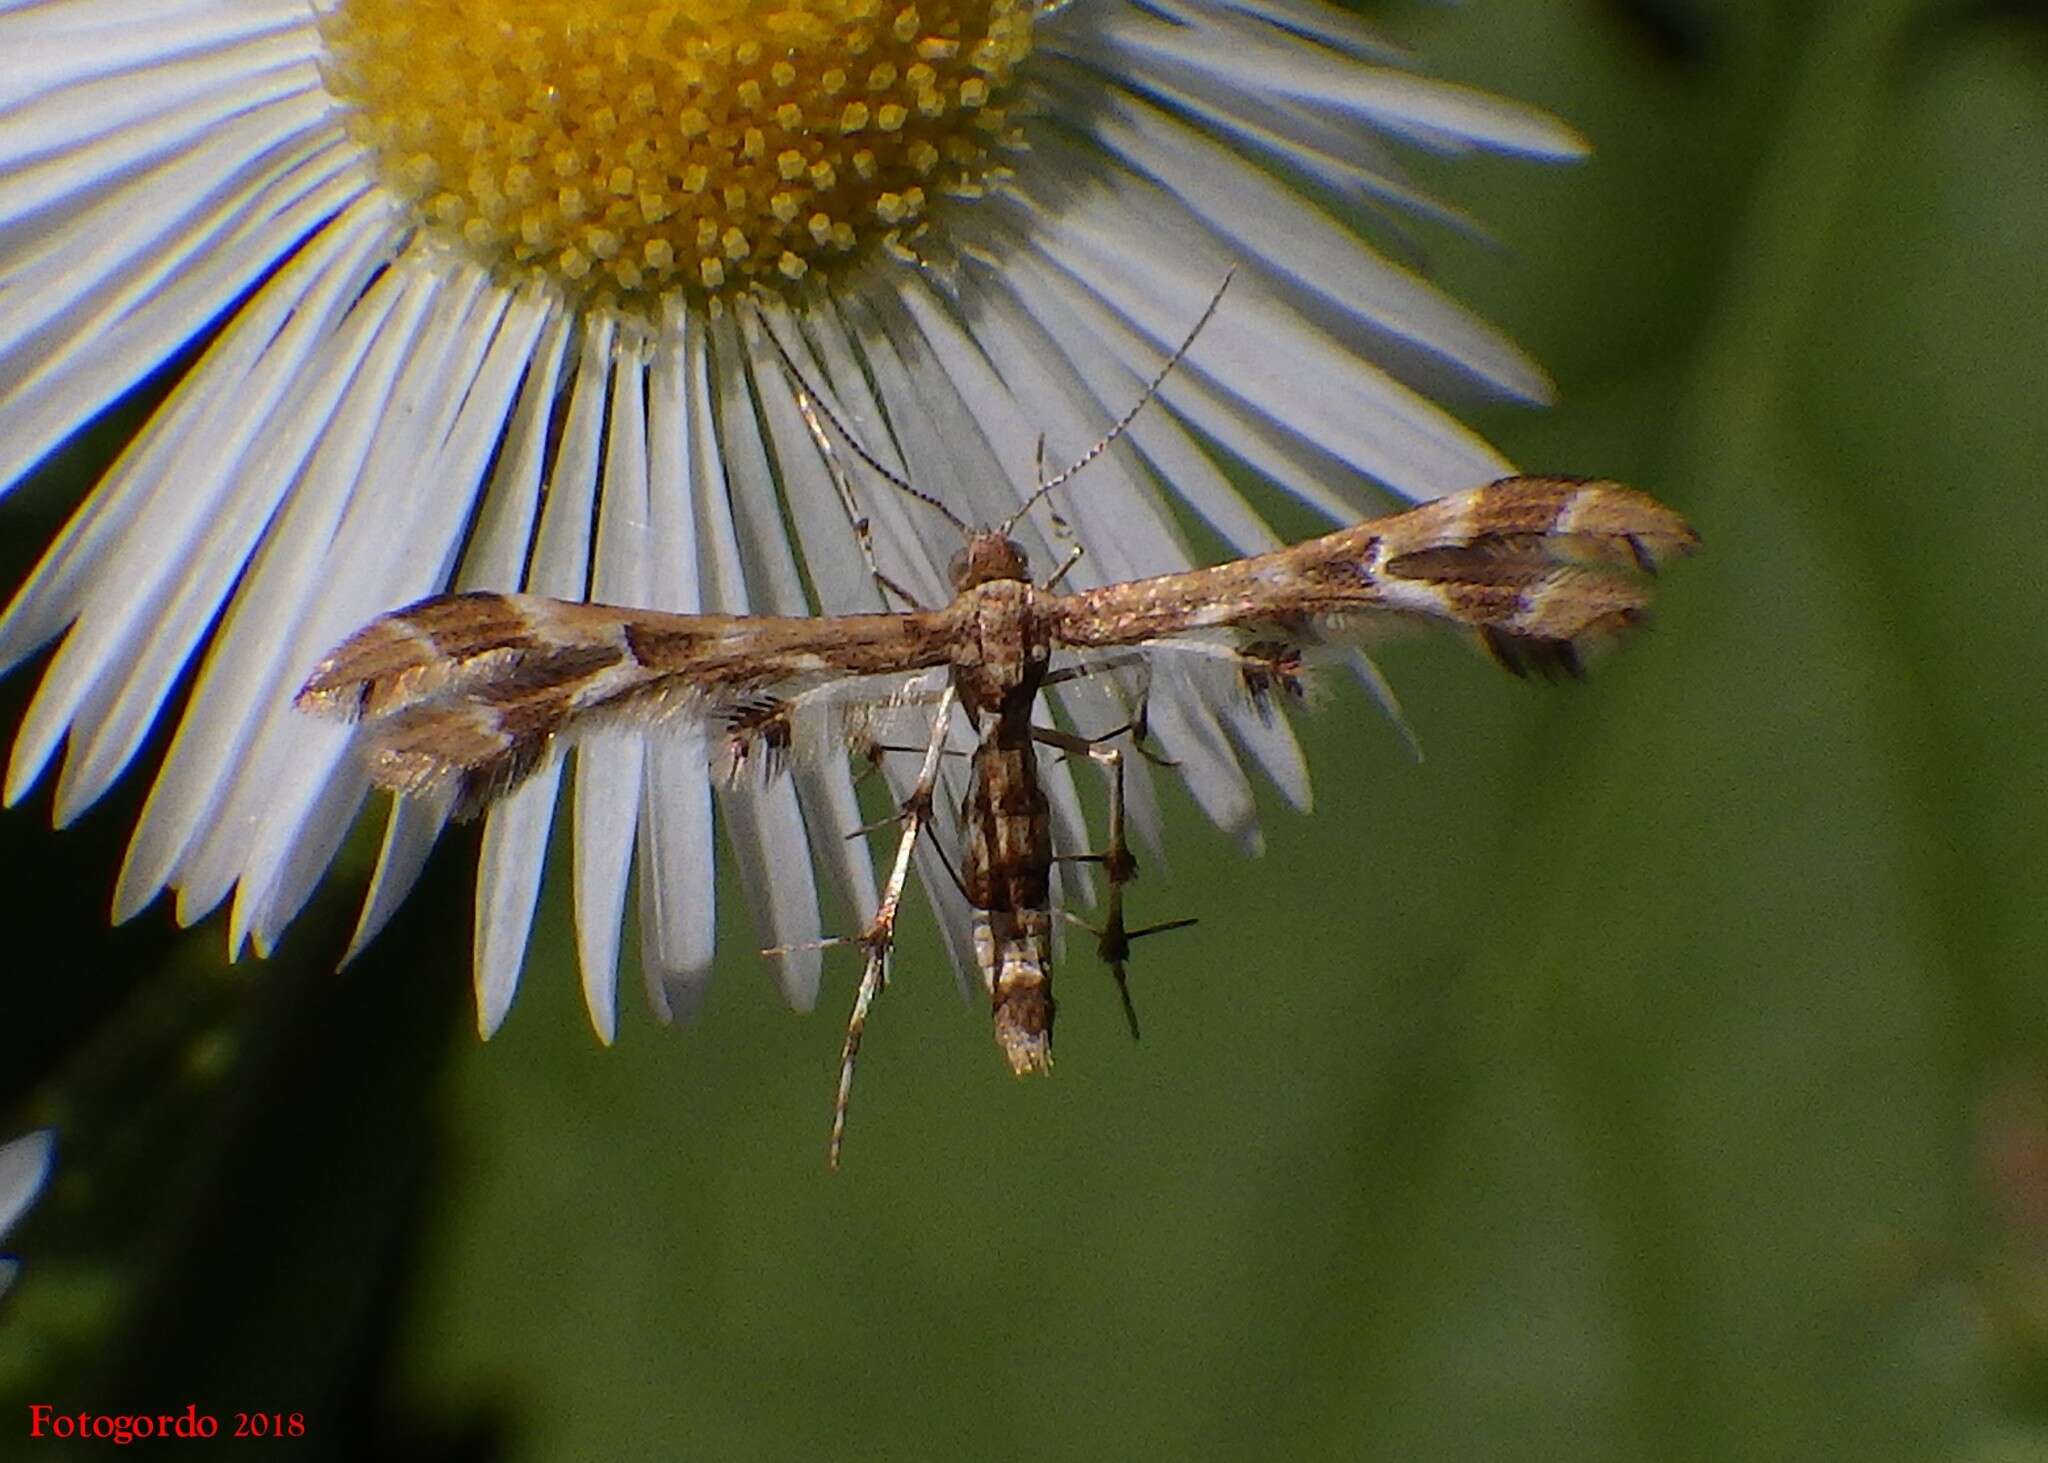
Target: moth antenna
1047,484
810,401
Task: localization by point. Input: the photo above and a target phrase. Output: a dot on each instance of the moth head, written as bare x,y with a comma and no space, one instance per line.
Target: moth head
986,556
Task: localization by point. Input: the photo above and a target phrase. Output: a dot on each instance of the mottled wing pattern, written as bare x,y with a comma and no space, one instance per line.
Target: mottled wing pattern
1541,568
471,691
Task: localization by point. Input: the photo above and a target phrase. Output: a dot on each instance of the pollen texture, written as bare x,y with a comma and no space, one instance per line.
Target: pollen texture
626,148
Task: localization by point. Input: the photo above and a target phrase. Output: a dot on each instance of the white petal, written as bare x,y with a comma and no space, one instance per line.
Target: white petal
1262,220
280,330
416,824
148,226
678,894
409,836
24,1165
1264,353
157,115
395,545
147,319
52,48
764,825
498,549
609,768
516,833
912,357
156,590
244,663
515,847
1333,27
1298,467
1431,113
327,577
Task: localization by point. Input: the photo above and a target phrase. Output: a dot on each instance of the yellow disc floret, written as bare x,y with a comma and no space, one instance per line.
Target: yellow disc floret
625,148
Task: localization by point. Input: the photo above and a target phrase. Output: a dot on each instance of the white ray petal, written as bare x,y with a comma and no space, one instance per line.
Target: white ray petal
1334,27
561,553
283,326
1177,460
24,1165
1431,113
174,213
930,437
765,826
970,448
508,870
517,830
503,538
1349,408
411,829
394,546
60,153
508,867
241,667
45,57
68,117
35,17
609,768
414,824
297,580
678,891
1298,467
837,575
1344,160
1261,219
148,320
155,591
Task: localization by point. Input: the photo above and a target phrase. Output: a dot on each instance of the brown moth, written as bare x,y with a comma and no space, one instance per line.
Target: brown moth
465,695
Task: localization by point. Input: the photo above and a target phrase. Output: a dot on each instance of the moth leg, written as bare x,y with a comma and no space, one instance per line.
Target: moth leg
1139,725
1113,939
880,934
1060,573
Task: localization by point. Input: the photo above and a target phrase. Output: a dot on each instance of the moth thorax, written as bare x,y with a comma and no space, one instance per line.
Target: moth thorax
987,556
1012,949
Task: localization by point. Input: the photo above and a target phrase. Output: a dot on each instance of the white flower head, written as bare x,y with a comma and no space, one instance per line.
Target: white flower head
24,1167
485,284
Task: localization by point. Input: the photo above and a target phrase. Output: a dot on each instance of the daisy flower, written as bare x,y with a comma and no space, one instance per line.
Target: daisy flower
479,288
24,1165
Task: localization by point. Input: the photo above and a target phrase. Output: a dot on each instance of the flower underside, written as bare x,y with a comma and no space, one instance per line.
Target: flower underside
624,148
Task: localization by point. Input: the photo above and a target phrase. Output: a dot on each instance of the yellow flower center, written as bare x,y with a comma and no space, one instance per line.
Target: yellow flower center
622,148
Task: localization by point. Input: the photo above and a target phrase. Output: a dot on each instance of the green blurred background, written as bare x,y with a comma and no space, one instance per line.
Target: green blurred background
1655,1072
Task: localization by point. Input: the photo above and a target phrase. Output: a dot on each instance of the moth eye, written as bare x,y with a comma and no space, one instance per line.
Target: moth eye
956,569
